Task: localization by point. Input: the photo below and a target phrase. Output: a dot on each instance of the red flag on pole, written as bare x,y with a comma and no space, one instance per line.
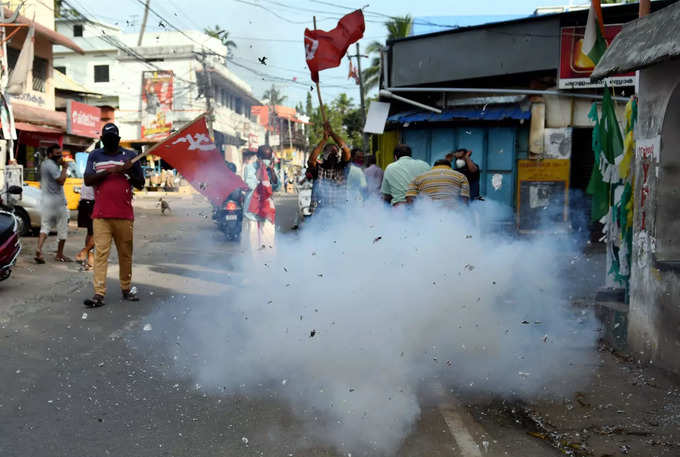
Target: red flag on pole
326,49
261,202
193,154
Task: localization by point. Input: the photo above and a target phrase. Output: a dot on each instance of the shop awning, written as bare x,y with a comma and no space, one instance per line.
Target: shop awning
28,127
38,116
489,113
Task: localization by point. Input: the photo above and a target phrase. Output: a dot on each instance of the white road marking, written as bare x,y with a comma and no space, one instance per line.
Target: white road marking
460,423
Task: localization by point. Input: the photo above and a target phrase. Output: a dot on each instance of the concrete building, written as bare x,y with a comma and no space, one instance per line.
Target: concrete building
168,70
513,92
38,124
650,45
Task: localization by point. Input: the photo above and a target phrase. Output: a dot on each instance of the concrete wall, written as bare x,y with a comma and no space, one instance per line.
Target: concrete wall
654,317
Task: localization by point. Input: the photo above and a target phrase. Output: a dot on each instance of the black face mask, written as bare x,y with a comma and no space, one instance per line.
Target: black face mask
110,142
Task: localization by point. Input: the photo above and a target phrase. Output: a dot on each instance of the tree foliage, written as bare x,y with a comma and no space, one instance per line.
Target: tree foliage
273,96
344,116
222,35
398,27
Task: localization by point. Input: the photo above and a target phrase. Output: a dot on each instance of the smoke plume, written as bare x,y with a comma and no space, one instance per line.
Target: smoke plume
354,317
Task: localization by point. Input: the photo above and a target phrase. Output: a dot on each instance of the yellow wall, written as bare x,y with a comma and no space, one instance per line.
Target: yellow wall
386,144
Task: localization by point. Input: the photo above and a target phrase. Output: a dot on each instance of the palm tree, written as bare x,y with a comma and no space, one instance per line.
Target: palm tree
222,35
273,96
397,27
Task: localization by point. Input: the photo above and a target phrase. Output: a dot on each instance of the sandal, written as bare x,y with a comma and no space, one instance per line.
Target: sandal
95,302
39,259
63,259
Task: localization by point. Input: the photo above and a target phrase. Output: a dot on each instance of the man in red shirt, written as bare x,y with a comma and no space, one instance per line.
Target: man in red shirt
112,175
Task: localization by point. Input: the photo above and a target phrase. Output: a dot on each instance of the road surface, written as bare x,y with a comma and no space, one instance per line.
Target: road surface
78,382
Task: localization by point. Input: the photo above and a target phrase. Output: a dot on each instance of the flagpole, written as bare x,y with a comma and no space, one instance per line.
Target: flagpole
318,91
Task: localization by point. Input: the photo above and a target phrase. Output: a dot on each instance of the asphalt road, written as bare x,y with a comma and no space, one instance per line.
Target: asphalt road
78,382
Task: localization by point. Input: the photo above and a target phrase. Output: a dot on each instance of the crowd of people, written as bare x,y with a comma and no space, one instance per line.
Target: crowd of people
341,176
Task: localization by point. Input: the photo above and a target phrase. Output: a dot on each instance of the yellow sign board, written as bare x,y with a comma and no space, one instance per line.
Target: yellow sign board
542,194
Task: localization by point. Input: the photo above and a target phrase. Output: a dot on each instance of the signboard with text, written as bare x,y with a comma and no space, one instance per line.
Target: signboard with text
542,194
82,119
157,104
576,67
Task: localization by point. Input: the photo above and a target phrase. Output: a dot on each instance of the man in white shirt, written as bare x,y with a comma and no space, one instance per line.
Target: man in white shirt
399,174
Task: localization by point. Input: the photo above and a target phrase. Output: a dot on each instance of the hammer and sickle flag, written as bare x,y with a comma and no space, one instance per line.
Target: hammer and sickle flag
326,49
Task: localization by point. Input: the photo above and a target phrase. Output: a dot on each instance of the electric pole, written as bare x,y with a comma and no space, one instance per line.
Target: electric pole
144,19
208,92
364,135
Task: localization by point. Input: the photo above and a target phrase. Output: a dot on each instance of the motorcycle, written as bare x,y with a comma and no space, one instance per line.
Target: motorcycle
10,245
229,218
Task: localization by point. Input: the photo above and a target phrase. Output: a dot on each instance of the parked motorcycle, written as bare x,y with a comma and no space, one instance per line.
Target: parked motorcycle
229,218
10,245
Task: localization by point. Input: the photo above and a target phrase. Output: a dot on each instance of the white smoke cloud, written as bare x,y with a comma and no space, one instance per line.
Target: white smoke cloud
353,317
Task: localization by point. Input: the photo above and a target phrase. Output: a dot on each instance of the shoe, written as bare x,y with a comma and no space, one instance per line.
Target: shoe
95,302
130,295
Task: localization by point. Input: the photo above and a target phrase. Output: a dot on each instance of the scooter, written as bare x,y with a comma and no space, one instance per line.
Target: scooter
10,245
229,218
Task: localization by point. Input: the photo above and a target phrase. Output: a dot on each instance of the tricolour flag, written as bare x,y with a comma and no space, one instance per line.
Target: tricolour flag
594,44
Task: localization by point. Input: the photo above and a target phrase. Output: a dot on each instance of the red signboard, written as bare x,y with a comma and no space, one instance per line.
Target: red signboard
157,94
576,67
83,120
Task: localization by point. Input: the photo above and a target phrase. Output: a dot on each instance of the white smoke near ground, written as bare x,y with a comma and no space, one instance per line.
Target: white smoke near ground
354,317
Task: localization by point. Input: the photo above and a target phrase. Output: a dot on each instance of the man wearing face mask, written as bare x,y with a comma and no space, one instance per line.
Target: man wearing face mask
462,162
329,175
261,231
110,171
53,211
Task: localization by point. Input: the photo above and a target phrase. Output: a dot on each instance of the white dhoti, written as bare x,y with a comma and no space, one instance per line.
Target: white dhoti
260,235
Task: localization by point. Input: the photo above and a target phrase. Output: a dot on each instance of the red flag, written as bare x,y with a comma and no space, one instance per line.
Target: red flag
326,49
261,202
193,154
353,72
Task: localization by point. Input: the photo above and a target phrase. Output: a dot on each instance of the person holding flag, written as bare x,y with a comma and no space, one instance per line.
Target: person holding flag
260,209
113,174
330,173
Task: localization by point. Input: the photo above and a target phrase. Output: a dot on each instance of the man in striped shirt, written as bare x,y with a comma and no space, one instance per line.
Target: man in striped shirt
442,184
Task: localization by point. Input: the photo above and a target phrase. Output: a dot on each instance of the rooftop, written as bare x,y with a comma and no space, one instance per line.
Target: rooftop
643,42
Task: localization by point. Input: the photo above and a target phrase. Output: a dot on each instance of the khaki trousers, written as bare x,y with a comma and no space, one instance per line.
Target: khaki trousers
120,231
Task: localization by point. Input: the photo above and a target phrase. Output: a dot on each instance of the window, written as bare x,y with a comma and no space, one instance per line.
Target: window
12,56
60,69
237,106
40,68
101,73
77,30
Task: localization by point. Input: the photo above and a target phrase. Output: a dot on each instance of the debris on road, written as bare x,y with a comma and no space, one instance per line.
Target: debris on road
147,327
84,316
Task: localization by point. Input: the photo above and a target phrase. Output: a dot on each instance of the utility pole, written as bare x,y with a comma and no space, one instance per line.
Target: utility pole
364,135
208,92
144,19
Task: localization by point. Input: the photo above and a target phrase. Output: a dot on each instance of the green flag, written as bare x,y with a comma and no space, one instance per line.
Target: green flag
607,145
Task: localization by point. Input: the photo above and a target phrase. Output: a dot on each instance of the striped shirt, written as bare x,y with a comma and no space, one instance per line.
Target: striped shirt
441,183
